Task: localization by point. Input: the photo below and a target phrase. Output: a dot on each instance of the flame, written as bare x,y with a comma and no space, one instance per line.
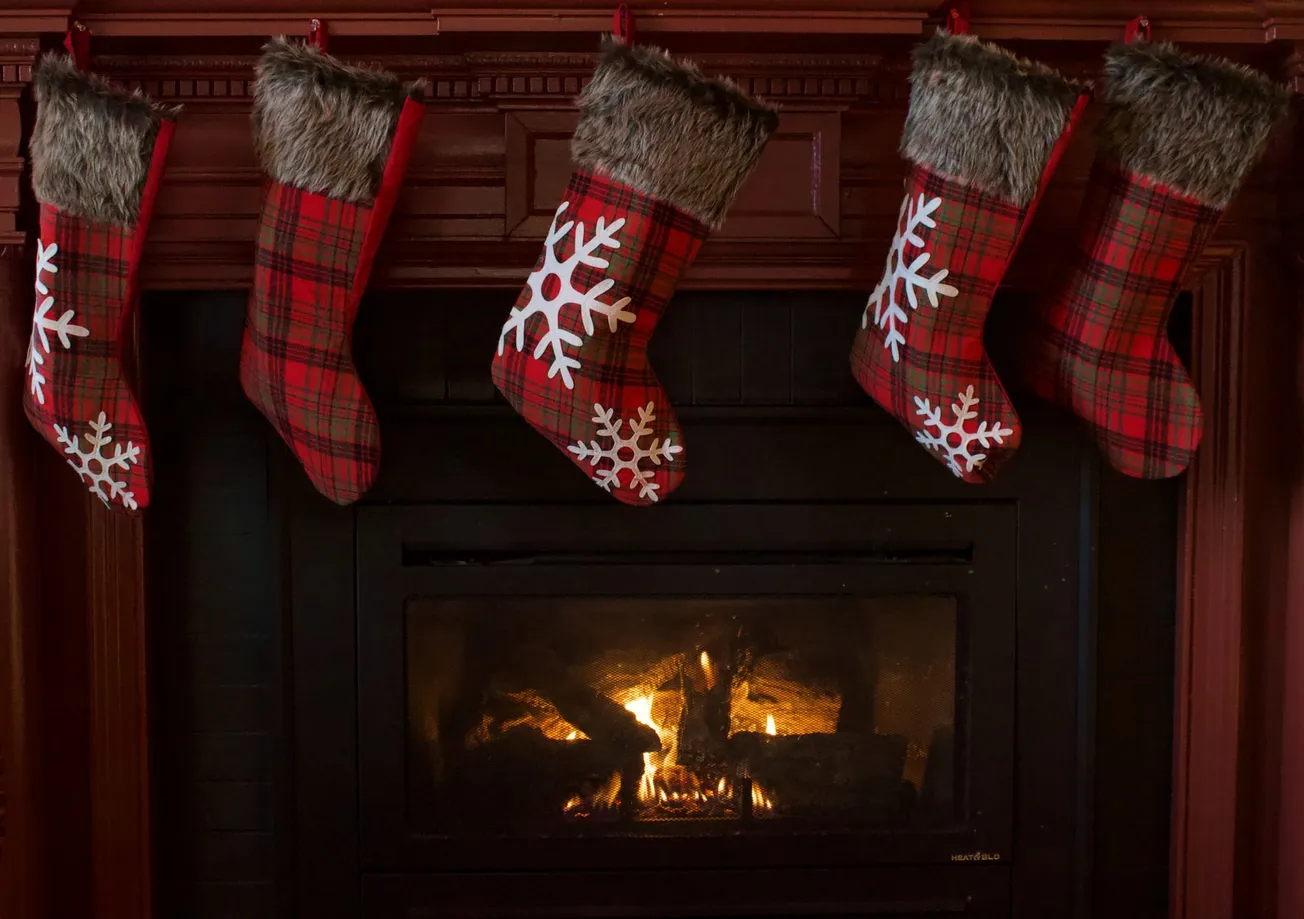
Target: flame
719,789
762,802
641,708
708,670
769,726
572,735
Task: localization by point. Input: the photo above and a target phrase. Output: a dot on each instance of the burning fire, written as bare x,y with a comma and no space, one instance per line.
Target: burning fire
641,708
666,789
708,670
594,800
770,727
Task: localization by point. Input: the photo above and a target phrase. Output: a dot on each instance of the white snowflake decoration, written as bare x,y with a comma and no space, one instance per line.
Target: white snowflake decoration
888,312
95,468
558,338
953,439
38,345
625,453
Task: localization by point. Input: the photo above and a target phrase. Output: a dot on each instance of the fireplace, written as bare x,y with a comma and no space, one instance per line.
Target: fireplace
241,706
827,680
786,677
529,722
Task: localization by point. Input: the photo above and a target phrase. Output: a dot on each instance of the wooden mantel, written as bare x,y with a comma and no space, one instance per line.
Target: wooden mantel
74,787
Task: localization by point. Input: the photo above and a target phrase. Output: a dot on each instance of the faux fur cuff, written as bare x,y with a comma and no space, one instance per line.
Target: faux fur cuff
1197,124
323,126
982,116
662,128
92,143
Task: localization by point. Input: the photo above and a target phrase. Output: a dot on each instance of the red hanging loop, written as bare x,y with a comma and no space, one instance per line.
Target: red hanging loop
622,24
318,34
957,18
78,43
1136,29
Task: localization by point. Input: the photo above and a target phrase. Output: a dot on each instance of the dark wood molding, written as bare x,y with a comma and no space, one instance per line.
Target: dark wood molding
1224,21
119,768
484,176
1209,632
1290,841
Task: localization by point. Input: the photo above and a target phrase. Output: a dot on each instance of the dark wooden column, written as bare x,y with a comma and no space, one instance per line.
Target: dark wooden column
44,744
1290,834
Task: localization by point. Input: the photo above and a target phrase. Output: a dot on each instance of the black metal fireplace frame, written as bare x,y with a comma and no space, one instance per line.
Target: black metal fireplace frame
788,550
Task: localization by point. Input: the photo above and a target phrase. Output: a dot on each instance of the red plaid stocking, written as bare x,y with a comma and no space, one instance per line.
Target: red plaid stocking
97,160
335,142
984,132
1179,136
661,152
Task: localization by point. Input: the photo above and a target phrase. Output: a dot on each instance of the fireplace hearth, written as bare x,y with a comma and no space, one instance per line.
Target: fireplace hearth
825,679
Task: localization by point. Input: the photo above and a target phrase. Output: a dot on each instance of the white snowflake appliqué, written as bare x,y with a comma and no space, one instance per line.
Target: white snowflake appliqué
625,453
95,468
558,338
888,312
953,439
38,345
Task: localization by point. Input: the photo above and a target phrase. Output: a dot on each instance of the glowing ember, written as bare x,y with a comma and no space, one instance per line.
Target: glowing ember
593,800
769,726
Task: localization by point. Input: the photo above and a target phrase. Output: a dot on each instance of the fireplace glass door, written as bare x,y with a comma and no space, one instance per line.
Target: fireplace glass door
680,714
778,681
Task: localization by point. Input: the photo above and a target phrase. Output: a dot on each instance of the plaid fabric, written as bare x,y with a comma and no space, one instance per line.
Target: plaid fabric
572,357
919,352
76,395
296,362
1099,345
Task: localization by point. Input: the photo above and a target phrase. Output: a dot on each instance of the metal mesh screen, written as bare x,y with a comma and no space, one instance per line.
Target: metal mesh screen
686,715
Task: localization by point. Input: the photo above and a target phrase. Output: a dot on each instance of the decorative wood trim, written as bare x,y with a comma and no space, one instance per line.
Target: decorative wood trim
507,79
119,767
1222,21
523,132
1290,844
13,758
1209,630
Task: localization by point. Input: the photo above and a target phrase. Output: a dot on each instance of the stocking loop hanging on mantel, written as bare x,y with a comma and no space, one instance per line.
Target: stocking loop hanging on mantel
622,24
97,156
1138,28
957,18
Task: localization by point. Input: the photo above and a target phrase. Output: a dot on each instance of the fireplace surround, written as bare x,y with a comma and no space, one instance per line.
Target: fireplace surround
828,670
86,713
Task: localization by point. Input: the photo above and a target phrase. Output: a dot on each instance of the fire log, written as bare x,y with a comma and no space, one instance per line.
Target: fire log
583,706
